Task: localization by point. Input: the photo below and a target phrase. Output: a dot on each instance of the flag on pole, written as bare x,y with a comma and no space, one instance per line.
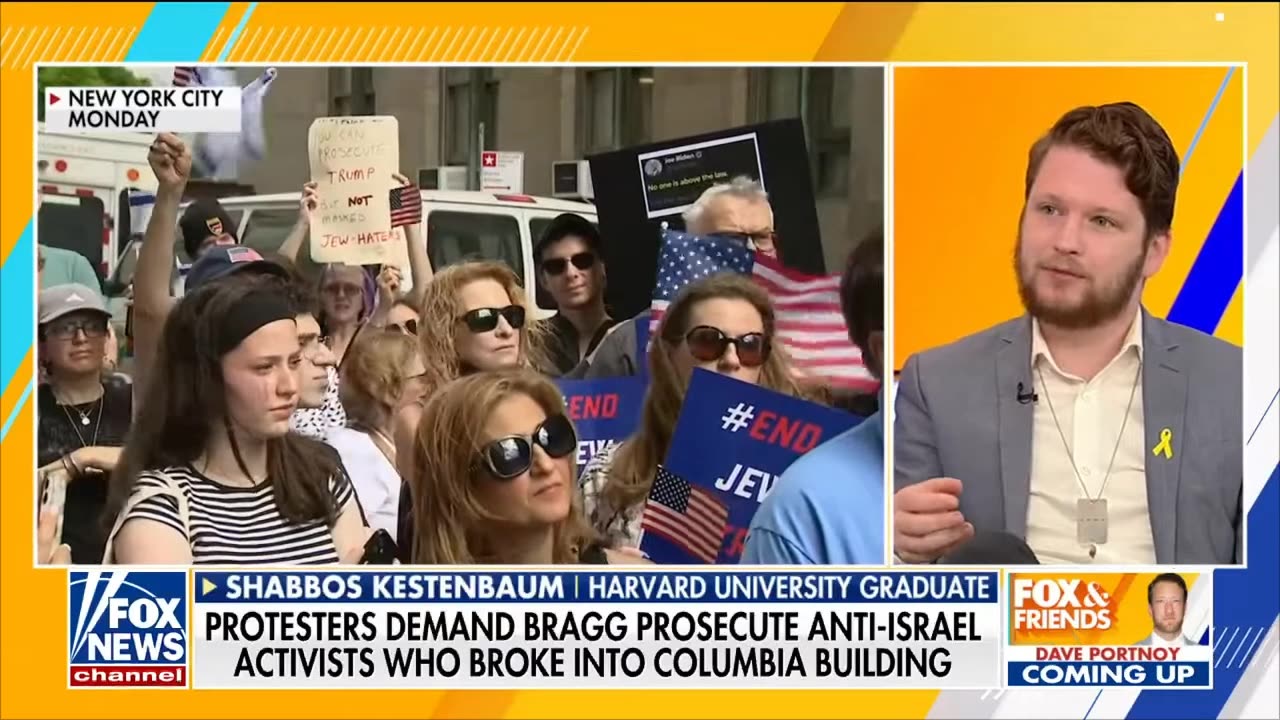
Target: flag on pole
218,155
688,516
406,206
811,326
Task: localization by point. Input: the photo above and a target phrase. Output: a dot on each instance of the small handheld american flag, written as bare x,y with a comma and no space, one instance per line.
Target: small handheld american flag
186,76
688,516
406,206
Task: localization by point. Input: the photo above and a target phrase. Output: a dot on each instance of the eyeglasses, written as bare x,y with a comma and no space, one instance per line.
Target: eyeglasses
341,289
511,456
759,237
483,320
709,344
557,266
408,327
94,327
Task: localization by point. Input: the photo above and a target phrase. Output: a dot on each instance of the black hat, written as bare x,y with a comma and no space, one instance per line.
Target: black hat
562,227
204,219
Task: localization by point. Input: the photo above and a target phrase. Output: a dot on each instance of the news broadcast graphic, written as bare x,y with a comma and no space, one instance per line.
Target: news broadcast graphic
1108,630
756,434
111,110
127,629
396,629
604,411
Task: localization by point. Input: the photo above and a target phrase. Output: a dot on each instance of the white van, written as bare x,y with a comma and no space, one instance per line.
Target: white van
459,226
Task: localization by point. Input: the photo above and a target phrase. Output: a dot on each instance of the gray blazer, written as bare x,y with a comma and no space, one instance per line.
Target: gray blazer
957,415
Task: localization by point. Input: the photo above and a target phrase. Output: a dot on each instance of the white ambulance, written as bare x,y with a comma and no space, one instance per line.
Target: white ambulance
83,182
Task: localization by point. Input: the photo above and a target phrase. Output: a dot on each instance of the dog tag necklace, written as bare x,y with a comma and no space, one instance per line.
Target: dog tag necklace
1091,512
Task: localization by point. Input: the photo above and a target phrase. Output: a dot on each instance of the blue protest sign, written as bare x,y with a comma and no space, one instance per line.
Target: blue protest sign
604,411
732,441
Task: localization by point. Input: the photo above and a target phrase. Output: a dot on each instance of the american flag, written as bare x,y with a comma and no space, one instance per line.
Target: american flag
186,76
810,324
406,206
688,516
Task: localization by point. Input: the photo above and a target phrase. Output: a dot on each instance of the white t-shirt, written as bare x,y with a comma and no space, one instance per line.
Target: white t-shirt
374,478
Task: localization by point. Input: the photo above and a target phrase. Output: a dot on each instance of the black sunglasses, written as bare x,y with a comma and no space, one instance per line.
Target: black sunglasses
408,327
508,457
556,266
482,320
709,344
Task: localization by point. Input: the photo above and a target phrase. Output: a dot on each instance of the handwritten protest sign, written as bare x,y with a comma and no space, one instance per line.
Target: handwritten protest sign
732,441
605,412
353,160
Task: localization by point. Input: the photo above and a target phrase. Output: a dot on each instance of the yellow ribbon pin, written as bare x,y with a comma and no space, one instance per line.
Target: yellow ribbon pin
1166,444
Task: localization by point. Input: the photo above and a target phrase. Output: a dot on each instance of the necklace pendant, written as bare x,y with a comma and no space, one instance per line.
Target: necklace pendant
1093,551
84,420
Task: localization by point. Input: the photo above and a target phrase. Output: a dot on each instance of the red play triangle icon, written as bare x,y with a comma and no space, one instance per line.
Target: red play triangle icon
53,99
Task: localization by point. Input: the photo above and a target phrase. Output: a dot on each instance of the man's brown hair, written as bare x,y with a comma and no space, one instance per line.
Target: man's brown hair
1126,136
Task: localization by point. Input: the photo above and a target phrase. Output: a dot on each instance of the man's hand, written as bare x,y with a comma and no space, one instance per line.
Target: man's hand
927,522
170,160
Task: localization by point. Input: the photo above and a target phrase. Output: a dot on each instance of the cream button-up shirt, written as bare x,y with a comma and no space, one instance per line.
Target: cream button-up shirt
1090,415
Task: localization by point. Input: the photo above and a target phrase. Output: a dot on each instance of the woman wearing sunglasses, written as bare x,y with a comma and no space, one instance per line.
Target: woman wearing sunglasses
493,464
723,323
381,375
211,473
473,319
403,316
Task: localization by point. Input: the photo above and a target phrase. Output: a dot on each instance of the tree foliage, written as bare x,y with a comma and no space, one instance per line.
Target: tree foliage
83,77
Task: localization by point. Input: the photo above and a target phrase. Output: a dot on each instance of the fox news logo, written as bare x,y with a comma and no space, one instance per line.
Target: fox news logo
128,629
1060,604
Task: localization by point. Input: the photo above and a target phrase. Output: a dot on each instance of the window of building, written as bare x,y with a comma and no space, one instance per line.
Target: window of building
351,91
616,108
821,97
470,98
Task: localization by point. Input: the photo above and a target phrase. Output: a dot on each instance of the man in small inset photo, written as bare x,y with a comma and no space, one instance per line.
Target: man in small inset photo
1167,603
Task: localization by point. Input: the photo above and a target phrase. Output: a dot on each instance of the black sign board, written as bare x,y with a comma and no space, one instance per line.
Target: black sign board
639,188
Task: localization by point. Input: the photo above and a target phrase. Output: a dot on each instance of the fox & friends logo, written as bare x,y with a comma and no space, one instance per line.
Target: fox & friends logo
1060,603
127,629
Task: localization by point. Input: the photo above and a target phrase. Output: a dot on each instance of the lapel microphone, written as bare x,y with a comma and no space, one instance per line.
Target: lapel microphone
1025,397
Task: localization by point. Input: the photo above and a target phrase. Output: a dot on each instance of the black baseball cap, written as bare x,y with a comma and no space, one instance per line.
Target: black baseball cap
203,219
222,260
561,227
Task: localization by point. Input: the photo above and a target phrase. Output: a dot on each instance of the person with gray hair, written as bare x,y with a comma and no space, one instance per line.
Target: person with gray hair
738,209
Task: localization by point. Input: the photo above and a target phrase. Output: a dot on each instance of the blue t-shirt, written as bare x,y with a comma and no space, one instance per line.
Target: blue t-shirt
828,507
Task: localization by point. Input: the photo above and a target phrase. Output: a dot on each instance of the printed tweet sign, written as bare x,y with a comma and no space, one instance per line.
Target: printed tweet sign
732,441
353,161
604,412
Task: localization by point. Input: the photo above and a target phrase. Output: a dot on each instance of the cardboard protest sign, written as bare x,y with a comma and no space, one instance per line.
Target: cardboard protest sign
732,441
353,160
604,412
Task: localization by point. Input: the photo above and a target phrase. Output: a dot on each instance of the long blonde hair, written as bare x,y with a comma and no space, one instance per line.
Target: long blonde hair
373,376
442,308
451,527
636,461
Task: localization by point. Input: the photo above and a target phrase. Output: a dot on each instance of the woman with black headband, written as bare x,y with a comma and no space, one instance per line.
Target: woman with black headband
211,473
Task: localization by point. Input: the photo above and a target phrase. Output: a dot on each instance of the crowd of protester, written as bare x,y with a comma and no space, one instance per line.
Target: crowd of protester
274,420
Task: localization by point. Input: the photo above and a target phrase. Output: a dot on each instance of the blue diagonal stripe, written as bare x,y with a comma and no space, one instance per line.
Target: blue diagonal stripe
17,292
1217,271
1246,597
177,32
1204,122
235,34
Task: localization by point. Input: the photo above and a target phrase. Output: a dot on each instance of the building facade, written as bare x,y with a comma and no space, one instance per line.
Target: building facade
566,113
